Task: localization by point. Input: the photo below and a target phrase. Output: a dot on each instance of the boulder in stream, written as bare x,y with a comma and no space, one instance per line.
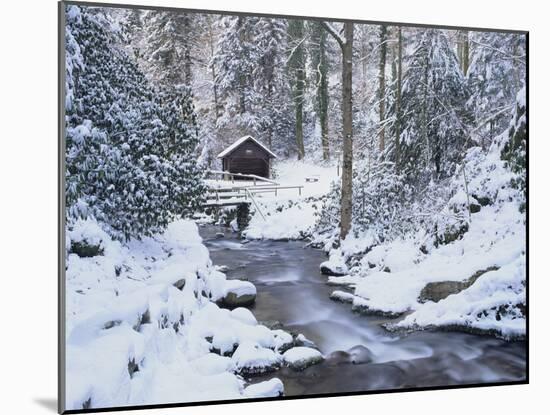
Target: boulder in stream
300,358
239,294
268,389
437,291
333,268
252,359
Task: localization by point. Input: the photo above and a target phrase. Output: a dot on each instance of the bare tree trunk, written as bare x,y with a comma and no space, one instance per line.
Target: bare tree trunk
213,67
297,67
425,111
398,99
346,44
299,104
463,51
188,77
382,88
320,67
347,118
466,53
364,65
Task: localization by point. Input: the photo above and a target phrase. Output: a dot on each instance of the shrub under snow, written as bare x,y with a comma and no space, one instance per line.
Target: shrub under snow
143,327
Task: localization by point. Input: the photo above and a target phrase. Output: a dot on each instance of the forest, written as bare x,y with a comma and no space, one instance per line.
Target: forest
409,147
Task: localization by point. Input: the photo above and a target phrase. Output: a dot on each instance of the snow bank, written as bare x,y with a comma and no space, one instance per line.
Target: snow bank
289,215
480,242
143,326
268,389
489,305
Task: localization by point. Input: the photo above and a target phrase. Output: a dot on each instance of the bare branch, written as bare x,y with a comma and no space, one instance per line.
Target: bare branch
332,31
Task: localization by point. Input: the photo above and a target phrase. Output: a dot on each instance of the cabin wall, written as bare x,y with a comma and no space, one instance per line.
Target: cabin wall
248,158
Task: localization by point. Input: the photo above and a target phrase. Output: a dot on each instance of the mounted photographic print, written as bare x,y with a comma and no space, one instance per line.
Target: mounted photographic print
259,207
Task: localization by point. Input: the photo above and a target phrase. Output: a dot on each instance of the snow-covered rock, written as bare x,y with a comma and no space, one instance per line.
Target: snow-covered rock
495,304
244,315
252,359
149,305
302,340
239,293
300,358
333,268
268,389
283,340
342,296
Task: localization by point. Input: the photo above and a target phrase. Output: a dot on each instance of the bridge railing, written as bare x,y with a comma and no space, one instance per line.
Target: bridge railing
252,177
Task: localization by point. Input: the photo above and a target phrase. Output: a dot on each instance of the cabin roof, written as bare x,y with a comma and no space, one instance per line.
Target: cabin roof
239,142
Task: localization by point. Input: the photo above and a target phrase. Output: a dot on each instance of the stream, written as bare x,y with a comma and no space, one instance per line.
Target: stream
292,291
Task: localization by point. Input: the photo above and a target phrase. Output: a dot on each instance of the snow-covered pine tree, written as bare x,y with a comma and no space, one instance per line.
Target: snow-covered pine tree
168,46
493,78
128,149
271,82
514,149
434,121
236,59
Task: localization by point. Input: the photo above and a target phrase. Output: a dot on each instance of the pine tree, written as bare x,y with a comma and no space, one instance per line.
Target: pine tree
236,58
168,46
498,63
128,148
434,120
271,81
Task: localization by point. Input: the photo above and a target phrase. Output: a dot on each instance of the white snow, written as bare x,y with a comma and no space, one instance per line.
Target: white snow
244,315
270,388
133,338
390,277
300,355
252,357
239,287
289,215
477,306
241,140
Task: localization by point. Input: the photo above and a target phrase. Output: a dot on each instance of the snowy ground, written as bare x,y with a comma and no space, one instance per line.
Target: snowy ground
143,326
289,215
390,278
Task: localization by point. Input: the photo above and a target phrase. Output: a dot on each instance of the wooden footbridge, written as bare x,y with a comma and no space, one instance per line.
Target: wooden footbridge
234,189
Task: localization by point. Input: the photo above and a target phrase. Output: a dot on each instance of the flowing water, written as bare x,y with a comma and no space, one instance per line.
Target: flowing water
293,292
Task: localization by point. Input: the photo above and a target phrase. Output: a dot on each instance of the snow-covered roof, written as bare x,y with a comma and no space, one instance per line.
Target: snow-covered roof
240,141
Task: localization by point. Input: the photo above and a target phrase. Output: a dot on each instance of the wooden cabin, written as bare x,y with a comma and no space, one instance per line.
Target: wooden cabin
247,156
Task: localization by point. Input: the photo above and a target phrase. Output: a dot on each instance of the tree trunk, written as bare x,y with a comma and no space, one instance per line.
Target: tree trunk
382,88
188,77
213,67
242,77
398,99
297,74
347,118
299,105
320,63
463,51
466,53
425,111
364,66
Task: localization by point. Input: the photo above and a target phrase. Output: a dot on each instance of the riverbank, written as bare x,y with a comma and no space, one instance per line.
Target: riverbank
360,355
